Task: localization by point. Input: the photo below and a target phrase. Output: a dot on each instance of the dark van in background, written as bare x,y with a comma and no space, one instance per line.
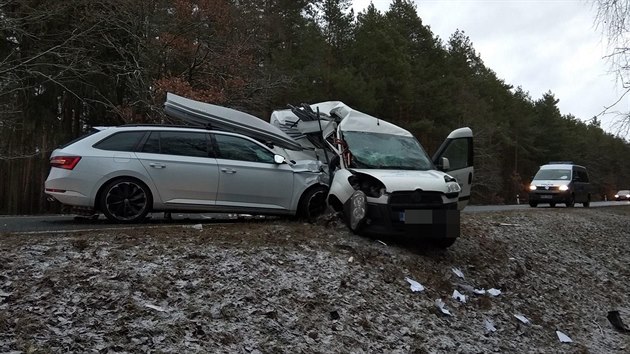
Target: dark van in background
560,182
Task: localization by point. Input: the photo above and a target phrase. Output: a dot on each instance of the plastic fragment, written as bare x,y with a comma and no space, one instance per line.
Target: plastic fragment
440,304
459,296
494,292
563,337
479,291
458,272
489,325
522,319
156,308
615,320
415,286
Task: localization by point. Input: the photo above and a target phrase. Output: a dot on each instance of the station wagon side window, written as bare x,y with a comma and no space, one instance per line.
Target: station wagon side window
177,143
122,141
236,148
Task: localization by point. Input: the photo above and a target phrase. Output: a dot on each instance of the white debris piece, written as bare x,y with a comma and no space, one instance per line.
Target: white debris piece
458,272
197,227
494,292
563,337
415,286
350,259
440,304
522,319
489,325
381,242
156,308
459,296
479,291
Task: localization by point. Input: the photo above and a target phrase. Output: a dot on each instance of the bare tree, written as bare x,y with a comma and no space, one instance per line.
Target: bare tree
613,17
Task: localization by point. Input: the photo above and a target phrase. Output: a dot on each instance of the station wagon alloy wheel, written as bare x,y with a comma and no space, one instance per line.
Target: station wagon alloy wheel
125,200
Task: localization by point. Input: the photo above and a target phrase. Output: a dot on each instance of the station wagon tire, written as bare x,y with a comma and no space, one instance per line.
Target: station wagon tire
533,204
313,203
553,205
587,203
125,200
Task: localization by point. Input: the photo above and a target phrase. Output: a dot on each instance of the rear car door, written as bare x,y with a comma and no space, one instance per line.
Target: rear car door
249,177
458,149
181,167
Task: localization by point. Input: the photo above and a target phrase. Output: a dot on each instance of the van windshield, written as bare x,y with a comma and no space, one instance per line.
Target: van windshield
386,151
555,174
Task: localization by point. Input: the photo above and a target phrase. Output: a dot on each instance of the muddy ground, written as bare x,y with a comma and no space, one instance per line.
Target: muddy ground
277,286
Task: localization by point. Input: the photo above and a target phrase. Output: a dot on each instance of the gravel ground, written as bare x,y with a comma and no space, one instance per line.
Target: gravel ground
285,286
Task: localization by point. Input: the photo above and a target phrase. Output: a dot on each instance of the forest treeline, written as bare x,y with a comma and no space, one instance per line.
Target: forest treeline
68,65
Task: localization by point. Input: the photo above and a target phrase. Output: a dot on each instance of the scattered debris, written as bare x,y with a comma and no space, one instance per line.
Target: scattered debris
351,259
563,337
381,242
615,320
458,272
156,308
494,292
522,319
459,296
440,304
506,224
489,325
479,291
415,286
196,227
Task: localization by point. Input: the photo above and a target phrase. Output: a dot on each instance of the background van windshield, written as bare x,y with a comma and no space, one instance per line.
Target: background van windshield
556,174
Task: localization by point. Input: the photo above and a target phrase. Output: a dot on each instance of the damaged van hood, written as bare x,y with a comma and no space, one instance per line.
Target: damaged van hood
407,180
223,118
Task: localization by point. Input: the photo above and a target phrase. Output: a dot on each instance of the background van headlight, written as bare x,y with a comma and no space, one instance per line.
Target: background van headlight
532,187
564,188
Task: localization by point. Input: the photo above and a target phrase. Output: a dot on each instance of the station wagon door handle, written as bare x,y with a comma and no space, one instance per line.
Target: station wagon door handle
228,170
157,165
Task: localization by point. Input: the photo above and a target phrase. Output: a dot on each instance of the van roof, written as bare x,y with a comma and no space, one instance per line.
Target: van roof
552,166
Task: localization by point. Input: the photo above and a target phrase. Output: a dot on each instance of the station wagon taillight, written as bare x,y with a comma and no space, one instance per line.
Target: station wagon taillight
65,162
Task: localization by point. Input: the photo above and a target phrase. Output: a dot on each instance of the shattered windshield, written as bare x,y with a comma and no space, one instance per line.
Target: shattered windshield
386,151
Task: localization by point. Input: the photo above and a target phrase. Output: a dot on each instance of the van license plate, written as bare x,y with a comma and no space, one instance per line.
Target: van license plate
546,196
416,216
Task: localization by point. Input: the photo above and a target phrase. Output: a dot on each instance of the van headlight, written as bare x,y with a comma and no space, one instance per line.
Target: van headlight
532,187
564,188
452,187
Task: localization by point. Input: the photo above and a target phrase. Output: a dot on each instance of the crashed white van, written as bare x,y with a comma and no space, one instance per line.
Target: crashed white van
382,180
379,176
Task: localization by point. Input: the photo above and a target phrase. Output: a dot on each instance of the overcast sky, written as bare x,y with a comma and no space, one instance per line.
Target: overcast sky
540,45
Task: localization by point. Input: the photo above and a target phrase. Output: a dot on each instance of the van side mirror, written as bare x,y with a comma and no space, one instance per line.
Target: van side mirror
443,164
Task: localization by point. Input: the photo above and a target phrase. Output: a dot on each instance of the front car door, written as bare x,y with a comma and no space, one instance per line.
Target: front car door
458,149
181,167
249,178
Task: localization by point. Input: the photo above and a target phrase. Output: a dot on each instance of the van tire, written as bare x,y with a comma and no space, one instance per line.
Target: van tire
533,204
587,203
571,201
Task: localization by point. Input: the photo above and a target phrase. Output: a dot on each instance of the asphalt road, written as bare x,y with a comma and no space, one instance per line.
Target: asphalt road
65,223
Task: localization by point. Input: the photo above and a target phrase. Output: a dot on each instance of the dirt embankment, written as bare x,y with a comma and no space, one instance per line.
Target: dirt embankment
281,286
